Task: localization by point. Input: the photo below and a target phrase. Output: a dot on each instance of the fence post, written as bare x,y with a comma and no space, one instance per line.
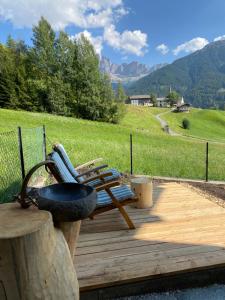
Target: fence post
207,162
131,154
44,143
21,152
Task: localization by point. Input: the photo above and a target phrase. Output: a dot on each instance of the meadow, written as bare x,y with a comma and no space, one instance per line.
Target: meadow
204,123
154,152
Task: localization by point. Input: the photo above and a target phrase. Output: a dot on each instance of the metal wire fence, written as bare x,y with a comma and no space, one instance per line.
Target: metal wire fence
33,148
19,152
10,171
198,160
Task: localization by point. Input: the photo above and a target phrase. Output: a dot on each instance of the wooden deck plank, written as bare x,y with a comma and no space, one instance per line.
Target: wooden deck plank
147,229
130,248
164,267
183,231
125,242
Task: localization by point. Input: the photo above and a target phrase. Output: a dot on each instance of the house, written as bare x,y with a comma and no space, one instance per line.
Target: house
145,100
162,102
183,107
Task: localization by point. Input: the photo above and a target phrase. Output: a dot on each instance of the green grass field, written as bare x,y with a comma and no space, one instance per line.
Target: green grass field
206,124
155,153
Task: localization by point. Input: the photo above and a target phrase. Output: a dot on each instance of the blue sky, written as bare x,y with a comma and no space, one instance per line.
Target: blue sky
149,31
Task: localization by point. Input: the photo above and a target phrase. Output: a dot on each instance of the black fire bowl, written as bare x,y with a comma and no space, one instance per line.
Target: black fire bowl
68,202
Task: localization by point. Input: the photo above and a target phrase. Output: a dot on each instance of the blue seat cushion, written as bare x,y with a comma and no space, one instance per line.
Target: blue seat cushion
115,175
121,193
61,168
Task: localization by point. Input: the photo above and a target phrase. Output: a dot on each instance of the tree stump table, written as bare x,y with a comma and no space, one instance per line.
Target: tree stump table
71,231
35,261
142,187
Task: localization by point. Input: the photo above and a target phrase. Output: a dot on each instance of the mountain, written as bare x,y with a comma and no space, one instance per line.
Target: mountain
126,72
199,77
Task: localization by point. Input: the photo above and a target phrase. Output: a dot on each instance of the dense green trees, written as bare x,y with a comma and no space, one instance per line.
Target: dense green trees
57,75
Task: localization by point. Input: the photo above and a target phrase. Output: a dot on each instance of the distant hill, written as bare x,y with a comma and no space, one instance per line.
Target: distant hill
199,77
126,72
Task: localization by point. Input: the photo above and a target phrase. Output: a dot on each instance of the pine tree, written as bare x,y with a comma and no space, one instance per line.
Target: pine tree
87,82
44,48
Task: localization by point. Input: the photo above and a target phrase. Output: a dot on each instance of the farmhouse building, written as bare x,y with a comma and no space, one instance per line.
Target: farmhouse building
162,102
183,107
145,100
139,100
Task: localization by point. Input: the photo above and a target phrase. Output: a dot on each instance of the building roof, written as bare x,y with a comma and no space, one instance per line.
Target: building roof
161,99
147,97
139,97
183,105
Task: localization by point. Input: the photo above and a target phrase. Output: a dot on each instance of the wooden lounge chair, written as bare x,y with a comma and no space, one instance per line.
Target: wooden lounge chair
89,171
110,195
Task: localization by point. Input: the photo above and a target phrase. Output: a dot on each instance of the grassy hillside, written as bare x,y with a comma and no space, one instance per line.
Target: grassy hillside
155,153
206,124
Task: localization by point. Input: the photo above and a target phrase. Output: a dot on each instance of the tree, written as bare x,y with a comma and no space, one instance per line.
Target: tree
186,124
12,76
172,98
57,75
153,99
120,94
43,51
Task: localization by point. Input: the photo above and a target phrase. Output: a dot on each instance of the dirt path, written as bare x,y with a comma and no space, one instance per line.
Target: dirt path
171,132
165,125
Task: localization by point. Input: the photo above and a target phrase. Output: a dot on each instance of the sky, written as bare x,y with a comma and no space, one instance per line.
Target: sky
147,31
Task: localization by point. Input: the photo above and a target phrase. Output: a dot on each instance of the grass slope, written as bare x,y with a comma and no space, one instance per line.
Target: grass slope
206,124
155,153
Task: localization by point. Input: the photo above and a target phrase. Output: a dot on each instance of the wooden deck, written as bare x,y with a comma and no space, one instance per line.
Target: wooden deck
182,232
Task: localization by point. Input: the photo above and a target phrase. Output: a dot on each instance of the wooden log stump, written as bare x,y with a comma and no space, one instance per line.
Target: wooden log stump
35,261
142,187
71,231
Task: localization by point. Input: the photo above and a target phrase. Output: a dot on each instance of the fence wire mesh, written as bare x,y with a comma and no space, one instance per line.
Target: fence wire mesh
10,164
10,171
33,149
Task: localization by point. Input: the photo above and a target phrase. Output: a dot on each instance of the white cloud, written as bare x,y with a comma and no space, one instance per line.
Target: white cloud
219,38
191,46
134,42
61,13
85,14
95,41
164,49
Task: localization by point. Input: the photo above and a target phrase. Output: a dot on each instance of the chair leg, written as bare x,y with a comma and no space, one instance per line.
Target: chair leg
126,217
121,209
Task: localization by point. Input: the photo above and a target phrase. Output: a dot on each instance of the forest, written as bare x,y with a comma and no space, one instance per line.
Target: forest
58,75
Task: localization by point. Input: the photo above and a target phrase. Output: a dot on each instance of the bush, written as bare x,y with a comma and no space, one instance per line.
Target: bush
186,124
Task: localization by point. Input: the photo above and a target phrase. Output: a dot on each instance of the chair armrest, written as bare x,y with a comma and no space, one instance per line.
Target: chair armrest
99,176
108,185
89,163
94,170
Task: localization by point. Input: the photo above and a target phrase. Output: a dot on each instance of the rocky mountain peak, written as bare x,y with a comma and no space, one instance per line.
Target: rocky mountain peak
126,72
